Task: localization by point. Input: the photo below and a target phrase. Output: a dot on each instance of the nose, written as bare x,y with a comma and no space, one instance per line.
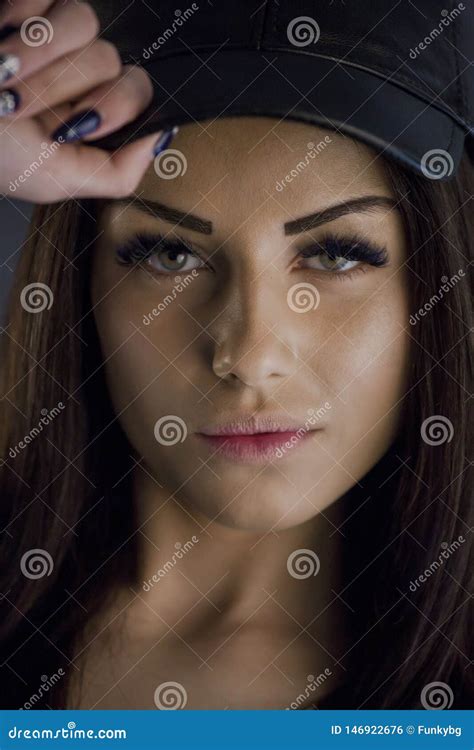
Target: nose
254,332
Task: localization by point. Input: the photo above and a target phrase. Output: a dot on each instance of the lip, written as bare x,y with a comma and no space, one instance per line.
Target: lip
256,439
255,424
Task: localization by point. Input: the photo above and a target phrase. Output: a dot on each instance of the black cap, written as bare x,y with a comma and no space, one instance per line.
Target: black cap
395,74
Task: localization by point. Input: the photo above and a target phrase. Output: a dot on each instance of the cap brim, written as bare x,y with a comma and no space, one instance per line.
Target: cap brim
307,88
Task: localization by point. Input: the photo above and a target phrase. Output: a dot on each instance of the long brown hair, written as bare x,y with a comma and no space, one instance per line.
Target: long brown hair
68,533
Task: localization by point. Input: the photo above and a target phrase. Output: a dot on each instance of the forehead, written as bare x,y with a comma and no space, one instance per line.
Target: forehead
238,164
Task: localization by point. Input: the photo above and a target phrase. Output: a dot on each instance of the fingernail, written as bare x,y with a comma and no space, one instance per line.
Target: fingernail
164,140
9,102
9,66
78,126
6,31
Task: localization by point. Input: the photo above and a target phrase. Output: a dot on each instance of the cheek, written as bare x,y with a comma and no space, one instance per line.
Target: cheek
146,376
364,364
142,381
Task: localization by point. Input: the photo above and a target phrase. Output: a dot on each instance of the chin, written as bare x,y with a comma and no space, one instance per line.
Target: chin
261,511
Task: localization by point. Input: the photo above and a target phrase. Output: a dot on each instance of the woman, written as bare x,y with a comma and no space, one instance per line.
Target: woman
168,559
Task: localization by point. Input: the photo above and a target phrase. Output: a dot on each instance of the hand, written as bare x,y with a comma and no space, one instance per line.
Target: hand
54,69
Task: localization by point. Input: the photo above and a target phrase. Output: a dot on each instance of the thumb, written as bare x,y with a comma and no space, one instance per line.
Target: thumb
118,174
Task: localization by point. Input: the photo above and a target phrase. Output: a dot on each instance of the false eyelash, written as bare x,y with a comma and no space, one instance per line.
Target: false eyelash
142,246
352,247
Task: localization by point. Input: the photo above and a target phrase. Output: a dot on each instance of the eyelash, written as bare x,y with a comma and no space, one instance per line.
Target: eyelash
143,247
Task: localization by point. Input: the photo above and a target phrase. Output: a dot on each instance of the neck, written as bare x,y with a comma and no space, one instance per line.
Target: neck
191,566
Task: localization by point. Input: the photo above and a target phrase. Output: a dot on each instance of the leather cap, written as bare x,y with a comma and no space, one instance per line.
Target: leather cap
397,75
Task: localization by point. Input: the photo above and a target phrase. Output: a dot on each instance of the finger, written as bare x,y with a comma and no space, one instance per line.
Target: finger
66,79
108,107
14,12
90,172
41,40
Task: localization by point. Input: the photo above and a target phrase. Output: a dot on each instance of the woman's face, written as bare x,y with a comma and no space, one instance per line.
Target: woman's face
255,314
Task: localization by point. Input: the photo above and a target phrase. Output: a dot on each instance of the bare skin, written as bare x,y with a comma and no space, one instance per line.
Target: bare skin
230,621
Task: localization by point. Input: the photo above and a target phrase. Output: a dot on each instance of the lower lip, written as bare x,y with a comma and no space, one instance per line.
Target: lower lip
256,448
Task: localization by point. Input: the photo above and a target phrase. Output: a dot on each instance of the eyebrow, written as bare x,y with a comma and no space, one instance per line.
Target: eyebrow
355,205
172,215
303,224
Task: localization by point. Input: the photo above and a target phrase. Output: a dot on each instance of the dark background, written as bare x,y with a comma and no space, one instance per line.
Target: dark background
14,219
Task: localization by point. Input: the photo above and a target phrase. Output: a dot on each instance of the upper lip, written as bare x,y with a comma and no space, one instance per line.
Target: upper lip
255,424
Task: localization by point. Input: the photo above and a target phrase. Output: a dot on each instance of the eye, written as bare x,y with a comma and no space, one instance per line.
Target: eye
324,262
161,255
338,255
172,258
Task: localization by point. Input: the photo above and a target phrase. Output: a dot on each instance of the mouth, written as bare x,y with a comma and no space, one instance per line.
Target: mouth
259,447
256,440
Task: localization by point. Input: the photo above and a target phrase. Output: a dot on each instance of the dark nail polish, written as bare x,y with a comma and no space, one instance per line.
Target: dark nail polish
78,126
6,31
164,140
9,102
9,66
